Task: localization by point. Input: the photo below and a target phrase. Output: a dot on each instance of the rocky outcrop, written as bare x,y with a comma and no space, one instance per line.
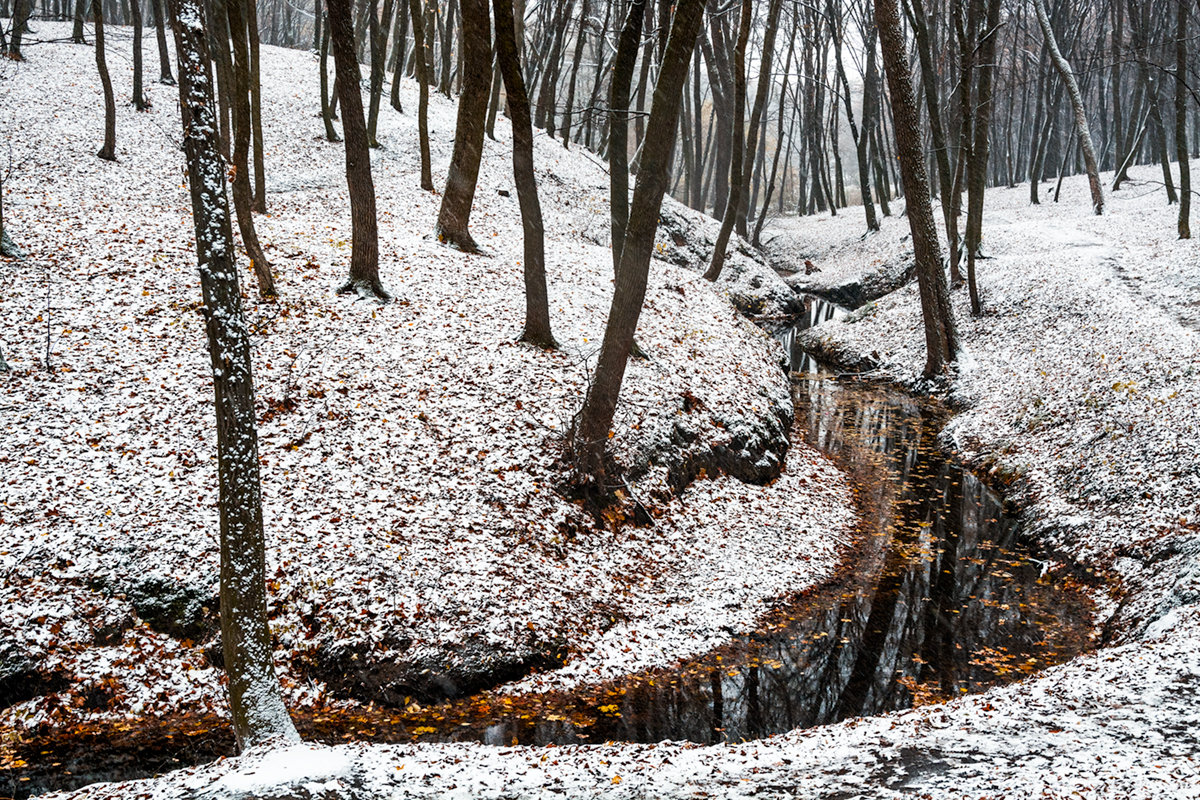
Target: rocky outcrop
751,447
687,237
886,278
396,673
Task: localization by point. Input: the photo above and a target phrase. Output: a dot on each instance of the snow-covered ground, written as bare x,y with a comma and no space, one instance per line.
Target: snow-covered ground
1079,387
416,539
1116,724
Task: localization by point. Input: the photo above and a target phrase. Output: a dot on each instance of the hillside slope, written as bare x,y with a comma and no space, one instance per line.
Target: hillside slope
417,543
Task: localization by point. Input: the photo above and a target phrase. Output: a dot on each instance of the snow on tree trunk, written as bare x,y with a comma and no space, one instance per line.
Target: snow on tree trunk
255,700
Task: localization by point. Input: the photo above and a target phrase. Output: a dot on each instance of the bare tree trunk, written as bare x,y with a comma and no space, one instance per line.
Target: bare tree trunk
717,261
243,199
81,7
401,41
941,338
326,101
164,57
537,307
21,11
618,133
364,256
1181,148
1081,122
255,700
422,64
109,150
260,170
977,166
580,40
589,434
780,146
547,95
861,138
139,96
941,148
756,133
379,37
455,213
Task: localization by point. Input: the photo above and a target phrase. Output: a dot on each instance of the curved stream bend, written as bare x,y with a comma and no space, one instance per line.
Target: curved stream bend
941,599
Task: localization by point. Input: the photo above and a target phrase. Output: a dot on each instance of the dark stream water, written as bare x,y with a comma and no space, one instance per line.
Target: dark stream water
938,598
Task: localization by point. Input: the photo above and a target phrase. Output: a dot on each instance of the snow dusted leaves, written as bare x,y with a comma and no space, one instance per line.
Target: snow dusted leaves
407,451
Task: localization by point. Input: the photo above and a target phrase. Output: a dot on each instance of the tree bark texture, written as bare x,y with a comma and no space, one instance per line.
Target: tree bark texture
981,131
243,196
420,44
589,436
364,255
537,307
618,131
1181,148
108,151
941,338
455,214
255,700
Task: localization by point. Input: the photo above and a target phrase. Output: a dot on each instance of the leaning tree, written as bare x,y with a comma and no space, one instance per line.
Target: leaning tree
589,434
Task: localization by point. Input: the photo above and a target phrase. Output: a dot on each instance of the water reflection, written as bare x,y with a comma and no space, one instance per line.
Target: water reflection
940,601
816,311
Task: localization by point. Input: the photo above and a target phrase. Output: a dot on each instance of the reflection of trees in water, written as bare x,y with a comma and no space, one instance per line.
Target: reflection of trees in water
935,605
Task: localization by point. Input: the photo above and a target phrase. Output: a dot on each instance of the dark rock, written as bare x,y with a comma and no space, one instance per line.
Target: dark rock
396,674
754,450
22,679
109,629
883,280
174,607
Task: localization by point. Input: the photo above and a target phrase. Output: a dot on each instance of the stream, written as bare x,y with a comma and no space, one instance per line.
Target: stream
940,598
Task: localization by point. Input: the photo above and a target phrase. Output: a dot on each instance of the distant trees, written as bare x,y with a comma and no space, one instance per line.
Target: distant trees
243,198
819,141
255,701
977,161
742,170
1081,122
1181,142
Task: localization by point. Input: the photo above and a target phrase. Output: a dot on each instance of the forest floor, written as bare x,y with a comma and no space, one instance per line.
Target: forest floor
418,544
1078,387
